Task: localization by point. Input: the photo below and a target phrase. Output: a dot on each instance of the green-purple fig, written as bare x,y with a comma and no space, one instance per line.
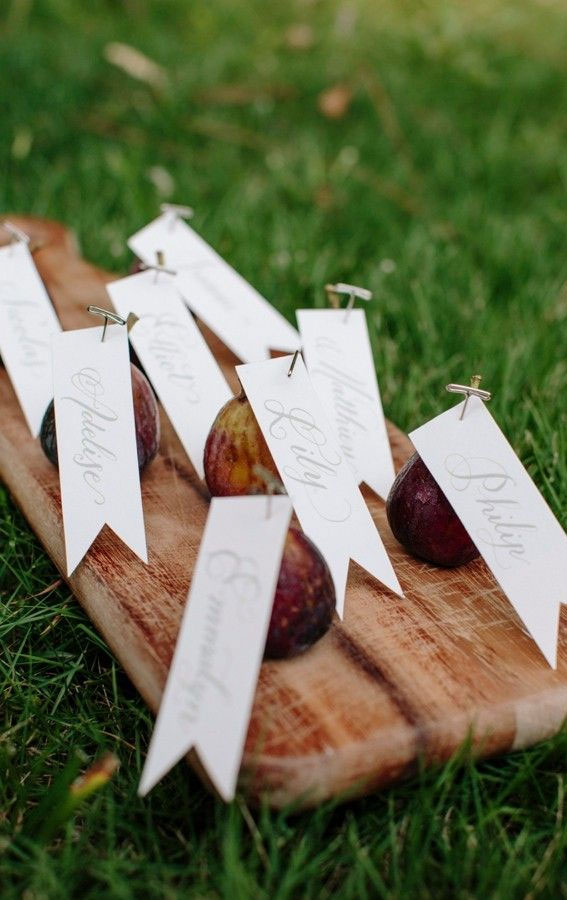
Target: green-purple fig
234,448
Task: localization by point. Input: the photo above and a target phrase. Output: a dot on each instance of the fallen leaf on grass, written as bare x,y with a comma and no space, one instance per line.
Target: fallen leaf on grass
66,793
162,180
334,102
299,36
324,198
136,64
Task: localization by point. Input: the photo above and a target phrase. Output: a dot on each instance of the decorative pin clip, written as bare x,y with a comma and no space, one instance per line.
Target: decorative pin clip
108,315
354,292
159,266
472,390
293,362
177,212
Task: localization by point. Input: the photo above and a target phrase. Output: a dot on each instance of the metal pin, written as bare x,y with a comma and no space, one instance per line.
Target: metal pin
108,315
178,212
354,292
158,266
472,390
293,362
17,234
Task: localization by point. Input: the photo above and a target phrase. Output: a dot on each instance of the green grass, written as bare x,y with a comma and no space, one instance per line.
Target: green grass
443,188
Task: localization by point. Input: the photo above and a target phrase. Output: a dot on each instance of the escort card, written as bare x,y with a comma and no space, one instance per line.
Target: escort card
27,321
96,440
211,684
176,357
218,295
317,477
339,359
512,526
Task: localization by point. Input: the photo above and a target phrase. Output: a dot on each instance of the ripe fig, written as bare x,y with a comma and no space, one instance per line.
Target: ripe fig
234,447
146,418
423,520
304,603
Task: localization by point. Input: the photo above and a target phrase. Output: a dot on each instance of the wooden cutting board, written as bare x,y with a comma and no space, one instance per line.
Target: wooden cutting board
397,682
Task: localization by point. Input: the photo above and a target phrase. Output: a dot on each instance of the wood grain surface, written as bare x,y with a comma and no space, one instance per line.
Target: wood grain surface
397,682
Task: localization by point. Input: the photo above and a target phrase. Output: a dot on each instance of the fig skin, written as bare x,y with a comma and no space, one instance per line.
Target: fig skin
423,520
234,446
304,603
146,418
136,266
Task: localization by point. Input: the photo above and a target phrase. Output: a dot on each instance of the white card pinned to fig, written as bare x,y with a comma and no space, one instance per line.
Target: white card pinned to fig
211,683
519,538
27,322
323,490
244,320
338,356
96,440
175,355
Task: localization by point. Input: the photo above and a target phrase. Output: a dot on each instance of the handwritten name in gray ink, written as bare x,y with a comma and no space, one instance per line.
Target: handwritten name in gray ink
506,531
205,272
233,583
351,402
170,343
95,419
26,321
314,464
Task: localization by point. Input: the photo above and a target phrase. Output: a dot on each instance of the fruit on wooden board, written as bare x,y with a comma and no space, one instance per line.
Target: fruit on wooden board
146,418
304,603
235,446
423,520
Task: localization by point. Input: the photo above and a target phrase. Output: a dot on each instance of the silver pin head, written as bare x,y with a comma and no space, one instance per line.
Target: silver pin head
471,390
293,362
108,315
176,212
353,291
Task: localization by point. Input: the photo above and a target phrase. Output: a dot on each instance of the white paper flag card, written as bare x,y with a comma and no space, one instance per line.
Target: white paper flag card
212,680
27,321
96,440
339,360
515,531
324,493
175,355
219,296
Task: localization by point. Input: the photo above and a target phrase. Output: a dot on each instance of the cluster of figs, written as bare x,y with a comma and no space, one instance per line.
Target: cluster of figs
237,461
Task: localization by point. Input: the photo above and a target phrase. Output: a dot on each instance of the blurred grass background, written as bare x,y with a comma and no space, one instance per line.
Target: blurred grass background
416,148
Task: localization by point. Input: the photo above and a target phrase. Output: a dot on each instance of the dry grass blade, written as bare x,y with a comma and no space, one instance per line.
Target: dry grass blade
136,64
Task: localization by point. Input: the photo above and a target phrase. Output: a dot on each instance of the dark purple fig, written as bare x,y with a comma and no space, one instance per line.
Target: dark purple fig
423,520
146,418
304,603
